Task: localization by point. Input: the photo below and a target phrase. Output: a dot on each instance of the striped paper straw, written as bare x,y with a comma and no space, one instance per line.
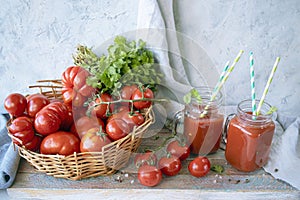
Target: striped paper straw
267,86
253,96
225,69
221,83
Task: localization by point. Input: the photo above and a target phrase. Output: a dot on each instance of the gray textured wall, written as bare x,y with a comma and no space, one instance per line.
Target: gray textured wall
38,37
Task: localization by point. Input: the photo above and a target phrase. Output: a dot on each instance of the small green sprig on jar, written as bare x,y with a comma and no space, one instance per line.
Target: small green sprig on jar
126,63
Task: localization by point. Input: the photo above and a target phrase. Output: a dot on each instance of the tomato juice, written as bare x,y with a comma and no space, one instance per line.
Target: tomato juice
249,140
203,134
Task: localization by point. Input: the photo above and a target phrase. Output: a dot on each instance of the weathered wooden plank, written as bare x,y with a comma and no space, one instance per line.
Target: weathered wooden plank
146,194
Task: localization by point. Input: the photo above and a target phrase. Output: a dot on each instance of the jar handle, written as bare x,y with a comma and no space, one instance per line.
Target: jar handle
224,135
178,115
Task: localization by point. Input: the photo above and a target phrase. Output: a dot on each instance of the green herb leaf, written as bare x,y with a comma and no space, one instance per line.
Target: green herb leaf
193,93
217,168
126,63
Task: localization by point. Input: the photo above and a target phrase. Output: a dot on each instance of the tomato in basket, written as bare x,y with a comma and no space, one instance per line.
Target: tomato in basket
35,103
142,93
15,104
61,142
94,140
75,90
49,119
21,128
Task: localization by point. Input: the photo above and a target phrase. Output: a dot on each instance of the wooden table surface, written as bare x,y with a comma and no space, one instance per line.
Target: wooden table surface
124,184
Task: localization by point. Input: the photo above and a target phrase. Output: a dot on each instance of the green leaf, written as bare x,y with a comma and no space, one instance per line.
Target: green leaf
217,168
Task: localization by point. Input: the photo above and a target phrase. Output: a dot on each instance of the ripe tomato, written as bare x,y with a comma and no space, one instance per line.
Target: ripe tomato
149,175
35,103
15,104
127,91
34,144
169,165
117,129
133,119
94,140
75,88
61,142
145,158
101,109
49,119
182,151
22,129
138,94
85,123
199,167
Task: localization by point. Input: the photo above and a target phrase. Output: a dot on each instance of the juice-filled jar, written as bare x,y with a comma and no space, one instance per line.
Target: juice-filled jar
203,122
249,137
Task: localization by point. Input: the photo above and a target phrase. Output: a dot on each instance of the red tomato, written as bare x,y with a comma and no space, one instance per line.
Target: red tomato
199,167
34,144
75,88
127,91
22,129
61,142
35,103
182,151
138,94
169,165
85,123
15,104
135,119
102,109
145,158
49,119
117,129
94,140
149,175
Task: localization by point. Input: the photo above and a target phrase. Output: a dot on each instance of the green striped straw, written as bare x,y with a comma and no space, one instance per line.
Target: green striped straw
252,84
221,83
225,69
267,86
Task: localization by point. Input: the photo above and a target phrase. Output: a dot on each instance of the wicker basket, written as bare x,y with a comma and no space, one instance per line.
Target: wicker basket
113,157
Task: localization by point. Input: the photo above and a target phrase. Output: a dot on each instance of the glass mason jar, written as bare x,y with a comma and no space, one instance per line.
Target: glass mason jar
202,123
249,139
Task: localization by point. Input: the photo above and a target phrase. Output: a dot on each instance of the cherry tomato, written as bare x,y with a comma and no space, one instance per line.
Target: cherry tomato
35,103
101,109
199,167
85,123
169,165
61,142
127,91
117,129
138,94
149,175
94,140
182,151
22,128
133,119
145,158
15,104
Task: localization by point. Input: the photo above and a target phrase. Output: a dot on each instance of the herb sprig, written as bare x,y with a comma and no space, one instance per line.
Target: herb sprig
126,63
